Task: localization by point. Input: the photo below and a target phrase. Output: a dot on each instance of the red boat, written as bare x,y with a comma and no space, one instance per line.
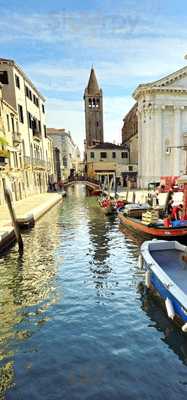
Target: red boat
151,231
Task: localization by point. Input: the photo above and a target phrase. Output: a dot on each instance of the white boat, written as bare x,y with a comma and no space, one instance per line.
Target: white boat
166,273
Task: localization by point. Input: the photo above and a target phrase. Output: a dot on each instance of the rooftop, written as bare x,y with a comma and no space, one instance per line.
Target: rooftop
109,146
12,63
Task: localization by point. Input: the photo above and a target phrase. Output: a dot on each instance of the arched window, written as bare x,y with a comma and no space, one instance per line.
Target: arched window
65,161
23,147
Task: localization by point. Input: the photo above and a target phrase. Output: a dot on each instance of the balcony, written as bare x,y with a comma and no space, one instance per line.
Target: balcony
27,162
36,133
39,164
16,138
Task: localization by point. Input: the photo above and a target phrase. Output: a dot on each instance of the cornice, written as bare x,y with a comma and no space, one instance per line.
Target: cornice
143,90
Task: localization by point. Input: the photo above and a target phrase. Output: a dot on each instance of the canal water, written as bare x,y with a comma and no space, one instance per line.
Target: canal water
73,323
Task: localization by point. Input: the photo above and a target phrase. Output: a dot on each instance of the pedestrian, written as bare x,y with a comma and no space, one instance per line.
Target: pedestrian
169,210
177,211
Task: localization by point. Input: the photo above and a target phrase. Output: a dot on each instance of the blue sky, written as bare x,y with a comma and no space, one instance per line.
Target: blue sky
129,42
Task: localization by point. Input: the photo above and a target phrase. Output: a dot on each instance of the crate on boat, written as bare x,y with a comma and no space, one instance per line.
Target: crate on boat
150,217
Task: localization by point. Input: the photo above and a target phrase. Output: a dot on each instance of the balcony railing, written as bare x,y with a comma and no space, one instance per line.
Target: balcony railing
16,136
27,161
37,163
37,134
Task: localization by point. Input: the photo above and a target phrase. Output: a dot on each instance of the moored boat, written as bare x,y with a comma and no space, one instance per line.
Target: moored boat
166,274
154,229
111,206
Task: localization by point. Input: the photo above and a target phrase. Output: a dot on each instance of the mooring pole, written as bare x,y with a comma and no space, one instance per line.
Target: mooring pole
8,200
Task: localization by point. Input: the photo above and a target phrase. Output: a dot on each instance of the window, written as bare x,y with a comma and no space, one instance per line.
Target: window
43,108
20,112
15,160
4,77
29,120
65,161
113,154
35,100
17,81
8,122
97,123
103,154
39,126
124,154
13,128
92,154
34,125
45,131
130,168
28,92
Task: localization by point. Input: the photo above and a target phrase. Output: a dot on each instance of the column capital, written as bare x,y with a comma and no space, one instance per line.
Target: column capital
176,108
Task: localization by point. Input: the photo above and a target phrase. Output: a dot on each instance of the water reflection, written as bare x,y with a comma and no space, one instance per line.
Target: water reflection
27,289
172,335
71,322
100,236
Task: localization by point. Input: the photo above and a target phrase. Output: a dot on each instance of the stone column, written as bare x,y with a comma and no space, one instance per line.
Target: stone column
157,158
177,140
140,155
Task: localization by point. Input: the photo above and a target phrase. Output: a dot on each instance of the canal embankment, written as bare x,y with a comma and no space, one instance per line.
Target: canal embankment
141,195
27,211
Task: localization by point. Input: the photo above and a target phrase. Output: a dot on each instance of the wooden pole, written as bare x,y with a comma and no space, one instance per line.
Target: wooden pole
13,217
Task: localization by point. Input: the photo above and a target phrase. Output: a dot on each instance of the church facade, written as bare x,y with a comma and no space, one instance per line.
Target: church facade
162,127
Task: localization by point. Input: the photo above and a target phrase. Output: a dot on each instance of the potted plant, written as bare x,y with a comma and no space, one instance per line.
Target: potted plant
4,153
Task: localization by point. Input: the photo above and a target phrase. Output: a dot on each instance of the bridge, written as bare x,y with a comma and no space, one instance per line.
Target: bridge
91,184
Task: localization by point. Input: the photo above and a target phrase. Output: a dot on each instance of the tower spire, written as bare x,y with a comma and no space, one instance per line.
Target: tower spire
93,87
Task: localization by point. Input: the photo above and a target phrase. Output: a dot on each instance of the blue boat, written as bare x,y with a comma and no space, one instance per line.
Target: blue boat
166,274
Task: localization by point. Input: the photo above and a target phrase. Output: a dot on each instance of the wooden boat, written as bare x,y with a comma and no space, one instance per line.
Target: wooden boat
110,207
157,230
96,192
166,274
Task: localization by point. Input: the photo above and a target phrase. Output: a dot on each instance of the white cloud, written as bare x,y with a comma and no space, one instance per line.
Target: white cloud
70,115
127,48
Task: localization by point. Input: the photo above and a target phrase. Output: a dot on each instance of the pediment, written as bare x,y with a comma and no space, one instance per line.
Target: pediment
176,80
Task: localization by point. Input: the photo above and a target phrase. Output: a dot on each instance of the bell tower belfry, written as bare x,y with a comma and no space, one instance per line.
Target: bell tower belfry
93,99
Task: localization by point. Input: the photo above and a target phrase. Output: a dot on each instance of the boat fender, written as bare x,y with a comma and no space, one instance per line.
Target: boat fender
140,262
148,279
184,328
169,308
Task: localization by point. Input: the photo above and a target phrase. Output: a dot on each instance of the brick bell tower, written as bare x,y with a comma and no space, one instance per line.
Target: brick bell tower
93,99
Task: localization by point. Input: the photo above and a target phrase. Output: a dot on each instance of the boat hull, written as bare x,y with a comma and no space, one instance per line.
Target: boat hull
158,287
108,210
161,283
152,231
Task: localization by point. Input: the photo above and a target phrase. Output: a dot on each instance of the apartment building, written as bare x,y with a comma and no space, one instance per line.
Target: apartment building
69,154
108,160
29,105
10,151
